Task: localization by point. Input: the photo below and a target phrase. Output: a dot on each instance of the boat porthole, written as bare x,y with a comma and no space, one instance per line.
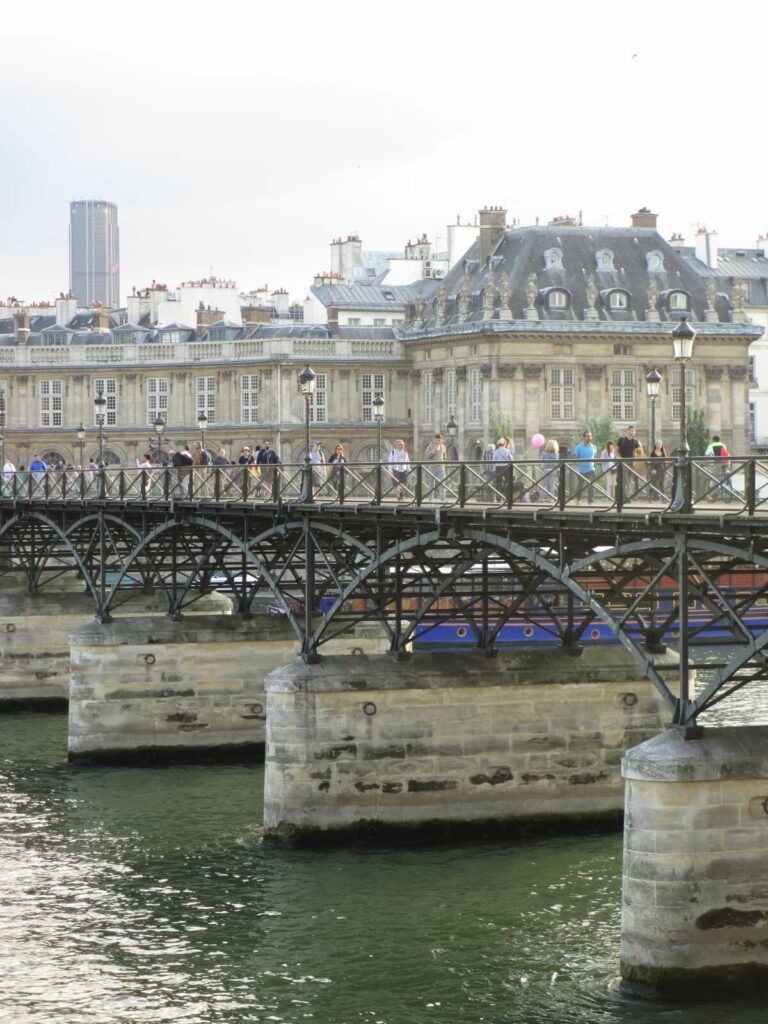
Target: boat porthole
369,708
595,634
461,632
528,631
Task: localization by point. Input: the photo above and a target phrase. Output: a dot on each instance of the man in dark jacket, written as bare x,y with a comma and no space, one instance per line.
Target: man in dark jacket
267,459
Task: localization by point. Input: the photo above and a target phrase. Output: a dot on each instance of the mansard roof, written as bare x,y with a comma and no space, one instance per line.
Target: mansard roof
562,257
362,295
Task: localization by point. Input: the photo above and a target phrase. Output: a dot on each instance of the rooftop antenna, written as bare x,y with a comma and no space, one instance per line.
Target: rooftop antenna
607,217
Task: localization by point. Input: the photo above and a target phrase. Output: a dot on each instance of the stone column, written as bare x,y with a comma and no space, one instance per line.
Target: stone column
695,882
529,740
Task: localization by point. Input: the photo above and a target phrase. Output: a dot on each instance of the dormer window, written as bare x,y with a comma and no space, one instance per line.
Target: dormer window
557,299
618,300
678,301
604,260
553,259
56,338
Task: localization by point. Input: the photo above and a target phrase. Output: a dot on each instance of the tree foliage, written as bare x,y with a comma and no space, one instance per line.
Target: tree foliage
697,431
602,429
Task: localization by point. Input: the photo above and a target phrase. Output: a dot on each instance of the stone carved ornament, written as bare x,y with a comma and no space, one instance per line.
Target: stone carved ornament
505,292
653,294
507,370
531,290
711,295
464,297
713,372
591,292
533,370
737,372
461,373
485,371
489,295
594,371
738,295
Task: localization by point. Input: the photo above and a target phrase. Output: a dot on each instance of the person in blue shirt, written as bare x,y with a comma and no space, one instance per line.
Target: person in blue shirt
585,452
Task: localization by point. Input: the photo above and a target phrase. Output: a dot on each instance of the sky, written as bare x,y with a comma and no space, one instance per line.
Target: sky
239,139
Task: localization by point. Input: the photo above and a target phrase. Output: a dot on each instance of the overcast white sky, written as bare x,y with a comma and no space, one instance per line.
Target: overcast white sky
243,137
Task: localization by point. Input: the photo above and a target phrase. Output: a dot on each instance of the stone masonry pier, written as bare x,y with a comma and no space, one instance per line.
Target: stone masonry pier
437,744
695,884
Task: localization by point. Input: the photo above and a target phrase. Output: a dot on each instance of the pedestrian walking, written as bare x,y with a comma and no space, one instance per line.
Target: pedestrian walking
267,460
400,467
317,460
608,457
658,470
486,460
435,454
502,461
550,453
585,452
336,461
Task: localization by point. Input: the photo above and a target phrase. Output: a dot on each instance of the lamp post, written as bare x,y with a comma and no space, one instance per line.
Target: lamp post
81,441
683,337
202,424
158,424
100,403
307,379
453,429
652,386
378,415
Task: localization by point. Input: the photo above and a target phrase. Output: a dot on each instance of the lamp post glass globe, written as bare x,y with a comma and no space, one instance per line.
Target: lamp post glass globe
453,428
683,337
307,379
202,423
652,386
378,415
81,441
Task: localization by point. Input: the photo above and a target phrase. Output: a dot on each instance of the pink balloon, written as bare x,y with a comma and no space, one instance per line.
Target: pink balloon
538,440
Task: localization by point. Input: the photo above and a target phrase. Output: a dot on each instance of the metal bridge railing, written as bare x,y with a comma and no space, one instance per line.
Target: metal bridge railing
733,486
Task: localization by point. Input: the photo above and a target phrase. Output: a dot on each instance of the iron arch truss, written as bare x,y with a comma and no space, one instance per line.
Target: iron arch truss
486,578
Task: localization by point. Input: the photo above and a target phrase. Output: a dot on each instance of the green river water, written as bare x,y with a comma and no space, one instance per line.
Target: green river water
147,895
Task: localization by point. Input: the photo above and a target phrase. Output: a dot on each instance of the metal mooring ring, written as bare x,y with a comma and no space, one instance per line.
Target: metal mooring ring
11,627
765,805
630,699
149,659
357,652
369,708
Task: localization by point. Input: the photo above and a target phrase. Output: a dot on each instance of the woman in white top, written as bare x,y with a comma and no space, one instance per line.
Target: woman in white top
608,467
399,467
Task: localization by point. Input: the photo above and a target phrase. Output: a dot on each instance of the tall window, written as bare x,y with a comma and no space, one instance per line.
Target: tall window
2,404
427,396
108,388
450,392
249,398
561,393
157,398
475,395
752,423
51,392
623,394
205,391
677,391
370,385
318,411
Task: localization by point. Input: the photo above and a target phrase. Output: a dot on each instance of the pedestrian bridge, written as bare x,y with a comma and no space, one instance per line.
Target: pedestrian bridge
653,554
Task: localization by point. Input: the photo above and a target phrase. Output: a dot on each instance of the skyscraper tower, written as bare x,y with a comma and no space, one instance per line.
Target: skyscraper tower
94,252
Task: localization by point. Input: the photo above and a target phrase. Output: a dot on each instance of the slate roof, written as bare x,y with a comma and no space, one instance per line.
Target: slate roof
520,253
364,296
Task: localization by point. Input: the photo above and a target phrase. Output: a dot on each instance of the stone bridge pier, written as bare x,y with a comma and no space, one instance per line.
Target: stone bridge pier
452,744
35,630
695,881
148,687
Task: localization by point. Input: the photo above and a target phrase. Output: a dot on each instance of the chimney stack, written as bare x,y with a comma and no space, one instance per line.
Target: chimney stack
256,315
22,326
493,222
205,317
644,218
333,321
706,247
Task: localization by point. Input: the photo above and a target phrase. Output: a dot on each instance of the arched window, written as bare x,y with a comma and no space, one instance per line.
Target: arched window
654,262
604,259
618,300
557,299
51,457
553,259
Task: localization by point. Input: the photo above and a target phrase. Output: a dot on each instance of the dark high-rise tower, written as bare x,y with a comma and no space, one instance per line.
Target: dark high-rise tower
94,252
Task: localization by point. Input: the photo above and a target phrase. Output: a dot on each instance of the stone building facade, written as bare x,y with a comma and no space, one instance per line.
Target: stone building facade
541,328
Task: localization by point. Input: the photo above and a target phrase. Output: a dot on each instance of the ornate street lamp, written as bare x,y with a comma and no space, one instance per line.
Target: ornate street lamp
2,429
378,415
653,381
307,379
202,424
81,441
453,429
683,337
100,402
158,425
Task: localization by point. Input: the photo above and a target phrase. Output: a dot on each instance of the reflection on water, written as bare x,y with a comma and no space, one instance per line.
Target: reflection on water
147,896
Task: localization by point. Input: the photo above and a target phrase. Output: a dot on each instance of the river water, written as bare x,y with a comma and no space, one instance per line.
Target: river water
147,895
